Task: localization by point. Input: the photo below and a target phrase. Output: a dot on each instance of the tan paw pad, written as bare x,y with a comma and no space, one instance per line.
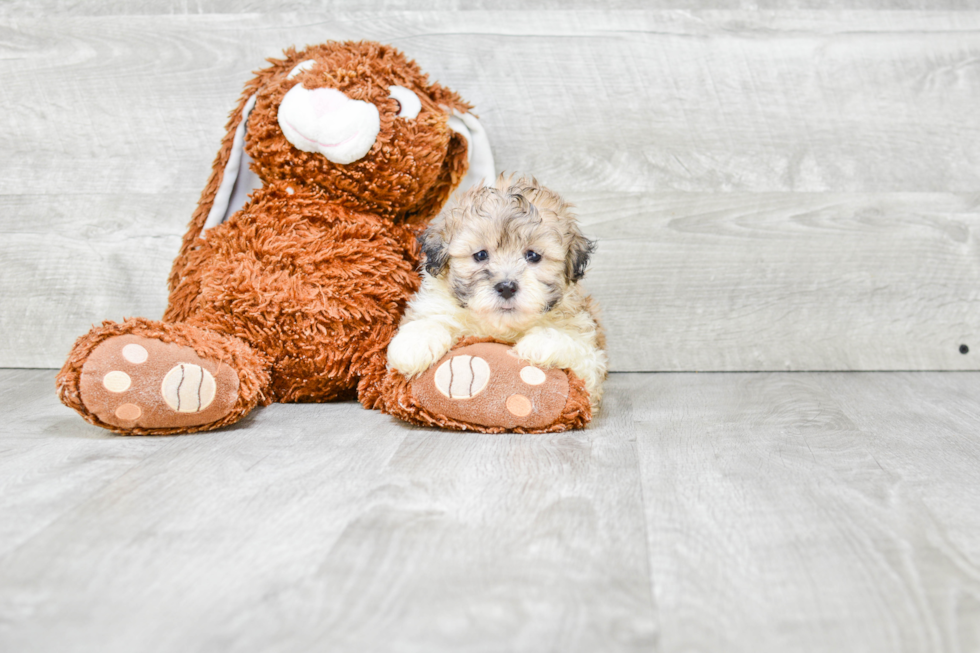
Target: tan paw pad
188,388
499,389
519,405
462,377
135,382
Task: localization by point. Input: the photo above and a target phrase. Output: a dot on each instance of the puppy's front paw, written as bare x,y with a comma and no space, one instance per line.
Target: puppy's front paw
417,346
546,348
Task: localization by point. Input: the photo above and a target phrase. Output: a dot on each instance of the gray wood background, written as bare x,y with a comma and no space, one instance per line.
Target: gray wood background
775,186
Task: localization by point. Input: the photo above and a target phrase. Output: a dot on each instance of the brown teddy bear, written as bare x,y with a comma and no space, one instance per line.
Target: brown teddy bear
301,255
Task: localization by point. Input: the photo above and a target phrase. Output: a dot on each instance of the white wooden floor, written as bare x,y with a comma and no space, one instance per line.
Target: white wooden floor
710,512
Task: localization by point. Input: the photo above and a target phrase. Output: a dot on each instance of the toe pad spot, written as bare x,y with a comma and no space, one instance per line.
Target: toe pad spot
129,412
533,375
519,405
134,353
117,381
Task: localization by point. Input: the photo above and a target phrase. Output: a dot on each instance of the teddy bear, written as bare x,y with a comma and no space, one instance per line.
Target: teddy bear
301,255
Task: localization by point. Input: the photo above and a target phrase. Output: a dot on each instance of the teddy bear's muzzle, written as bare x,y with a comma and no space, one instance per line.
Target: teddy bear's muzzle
325,121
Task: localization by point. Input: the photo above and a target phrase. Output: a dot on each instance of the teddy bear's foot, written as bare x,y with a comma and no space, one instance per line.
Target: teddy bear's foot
487,384
142,377
484,386
132,381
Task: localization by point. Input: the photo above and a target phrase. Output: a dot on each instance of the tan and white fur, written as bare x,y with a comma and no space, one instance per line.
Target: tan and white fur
505,262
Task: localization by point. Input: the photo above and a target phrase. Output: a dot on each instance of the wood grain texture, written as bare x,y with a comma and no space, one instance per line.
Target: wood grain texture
734,281
763,512
625,101
787,281
182,7
812,512
317,527
109,123
49,463
93,257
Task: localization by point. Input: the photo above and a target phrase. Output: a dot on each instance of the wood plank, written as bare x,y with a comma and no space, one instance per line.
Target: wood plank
787,281
98,257
15,8
735,281
806,511
626,101
50,460
110,122
812,512
328,527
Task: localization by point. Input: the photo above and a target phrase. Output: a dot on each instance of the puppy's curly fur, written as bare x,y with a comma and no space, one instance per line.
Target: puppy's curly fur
505,263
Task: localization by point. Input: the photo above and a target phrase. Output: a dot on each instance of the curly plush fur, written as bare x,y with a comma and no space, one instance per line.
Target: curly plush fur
390,392
301,290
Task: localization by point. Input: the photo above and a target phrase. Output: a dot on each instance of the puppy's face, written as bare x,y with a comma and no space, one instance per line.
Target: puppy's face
507,253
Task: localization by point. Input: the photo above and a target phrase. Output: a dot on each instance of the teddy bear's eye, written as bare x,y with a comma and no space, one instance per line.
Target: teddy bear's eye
481,256
532,256
409,104
300,67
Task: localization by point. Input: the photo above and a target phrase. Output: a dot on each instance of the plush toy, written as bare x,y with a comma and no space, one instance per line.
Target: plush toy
482,385
301,255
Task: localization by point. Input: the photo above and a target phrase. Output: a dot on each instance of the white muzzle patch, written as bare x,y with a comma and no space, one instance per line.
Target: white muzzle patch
327,122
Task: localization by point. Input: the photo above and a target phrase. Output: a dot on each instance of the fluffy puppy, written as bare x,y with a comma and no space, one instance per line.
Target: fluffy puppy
505,263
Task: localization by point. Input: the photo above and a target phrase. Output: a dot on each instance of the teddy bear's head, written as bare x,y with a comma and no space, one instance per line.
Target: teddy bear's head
361,123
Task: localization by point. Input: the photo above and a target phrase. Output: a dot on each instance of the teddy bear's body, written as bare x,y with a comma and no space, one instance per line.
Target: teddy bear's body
293,271
294,295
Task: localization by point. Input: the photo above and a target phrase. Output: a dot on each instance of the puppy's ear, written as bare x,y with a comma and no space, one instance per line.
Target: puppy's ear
435,248
579,252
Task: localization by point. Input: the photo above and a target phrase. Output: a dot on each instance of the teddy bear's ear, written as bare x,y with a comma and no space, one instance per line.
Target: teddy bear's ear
468,162
237,178
219,170
481,168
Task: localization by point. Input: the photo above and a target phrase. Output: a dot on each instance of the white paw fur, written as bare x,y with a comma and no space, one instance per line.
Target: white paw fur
548,347
418,345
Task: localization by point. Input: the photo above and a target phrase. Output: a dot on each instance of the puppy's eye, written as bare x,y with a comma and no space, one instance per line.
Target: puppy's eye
532,256
409,104
481,256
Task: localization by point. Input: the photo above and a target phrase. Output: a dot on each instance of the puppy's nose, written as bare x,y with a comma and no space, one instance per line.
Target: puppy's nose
506,289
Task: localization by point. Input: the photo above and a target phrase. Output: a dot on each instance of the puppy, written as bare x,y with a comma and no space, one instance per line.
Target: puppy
505,263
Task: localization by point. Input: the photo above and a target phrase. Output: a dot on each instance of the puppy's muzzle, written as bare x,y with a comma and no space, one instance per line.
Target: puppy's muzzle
506,289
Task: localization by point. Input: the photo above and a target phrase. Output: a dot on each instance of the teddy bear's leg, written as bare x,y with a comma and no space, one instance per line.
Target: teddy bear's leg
484,386
143,377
